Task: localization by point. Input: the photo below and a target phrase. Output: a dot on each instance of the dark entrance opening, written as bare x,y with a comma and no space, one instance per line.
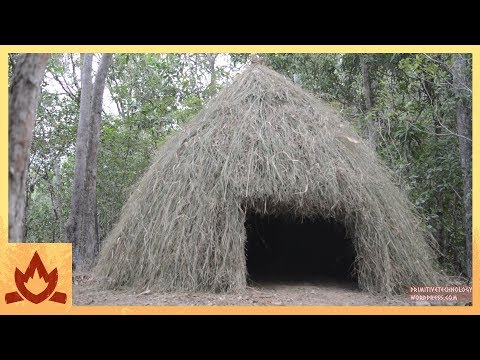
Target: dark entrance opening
280,249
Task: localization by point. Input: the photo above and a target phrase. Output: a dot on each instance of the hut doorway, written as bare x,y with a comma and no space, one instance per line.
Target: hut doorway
279,249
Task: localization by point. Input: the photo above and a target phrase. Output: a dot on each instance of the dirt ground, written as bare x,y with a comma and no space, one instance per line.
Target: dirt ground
86,292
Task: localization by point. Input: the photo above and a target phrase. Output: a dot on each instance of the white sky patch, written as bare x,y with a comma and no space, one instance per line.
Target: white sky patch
64,83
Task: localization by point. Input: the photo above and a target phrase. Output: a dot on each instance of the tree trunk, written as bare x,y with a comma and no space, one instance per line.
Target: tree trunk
57,206
297,79
24,96
90,220
73,228
367,94
464,130
442,238
29,189
211,58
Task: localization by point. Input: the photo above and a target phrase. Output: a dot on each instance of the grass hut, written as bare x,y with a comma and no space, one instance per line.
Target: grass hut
263,148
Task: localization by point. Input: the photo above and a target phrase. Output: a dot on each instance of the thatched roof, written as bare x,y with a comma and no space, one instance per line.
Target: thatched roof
262,144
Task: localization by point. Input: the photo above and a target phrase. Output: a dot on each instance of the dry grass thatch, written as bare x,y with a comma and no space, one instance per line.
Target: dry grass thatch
262,144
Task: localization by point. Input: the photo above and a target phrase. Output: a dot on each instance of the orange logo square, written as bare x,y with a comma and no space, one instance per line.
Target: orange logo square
35,278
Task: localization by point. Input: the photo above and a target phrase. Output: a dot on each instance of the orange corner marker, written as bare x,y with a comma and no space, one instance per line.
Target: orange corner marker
28,284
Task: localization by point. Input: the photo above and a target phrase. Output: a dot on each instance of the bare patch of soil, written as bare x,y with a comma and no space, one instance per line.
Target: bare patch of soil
87,292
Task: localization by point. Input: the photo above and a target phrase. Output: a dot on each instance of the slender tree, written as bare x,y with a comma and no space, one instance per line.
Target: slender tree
211,58
24,96
90,220
464,130
73,227
81,228
367,94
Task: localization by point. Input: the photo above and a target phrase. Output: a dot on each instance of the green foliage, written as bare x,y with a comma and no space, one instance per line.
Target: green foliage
41,212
